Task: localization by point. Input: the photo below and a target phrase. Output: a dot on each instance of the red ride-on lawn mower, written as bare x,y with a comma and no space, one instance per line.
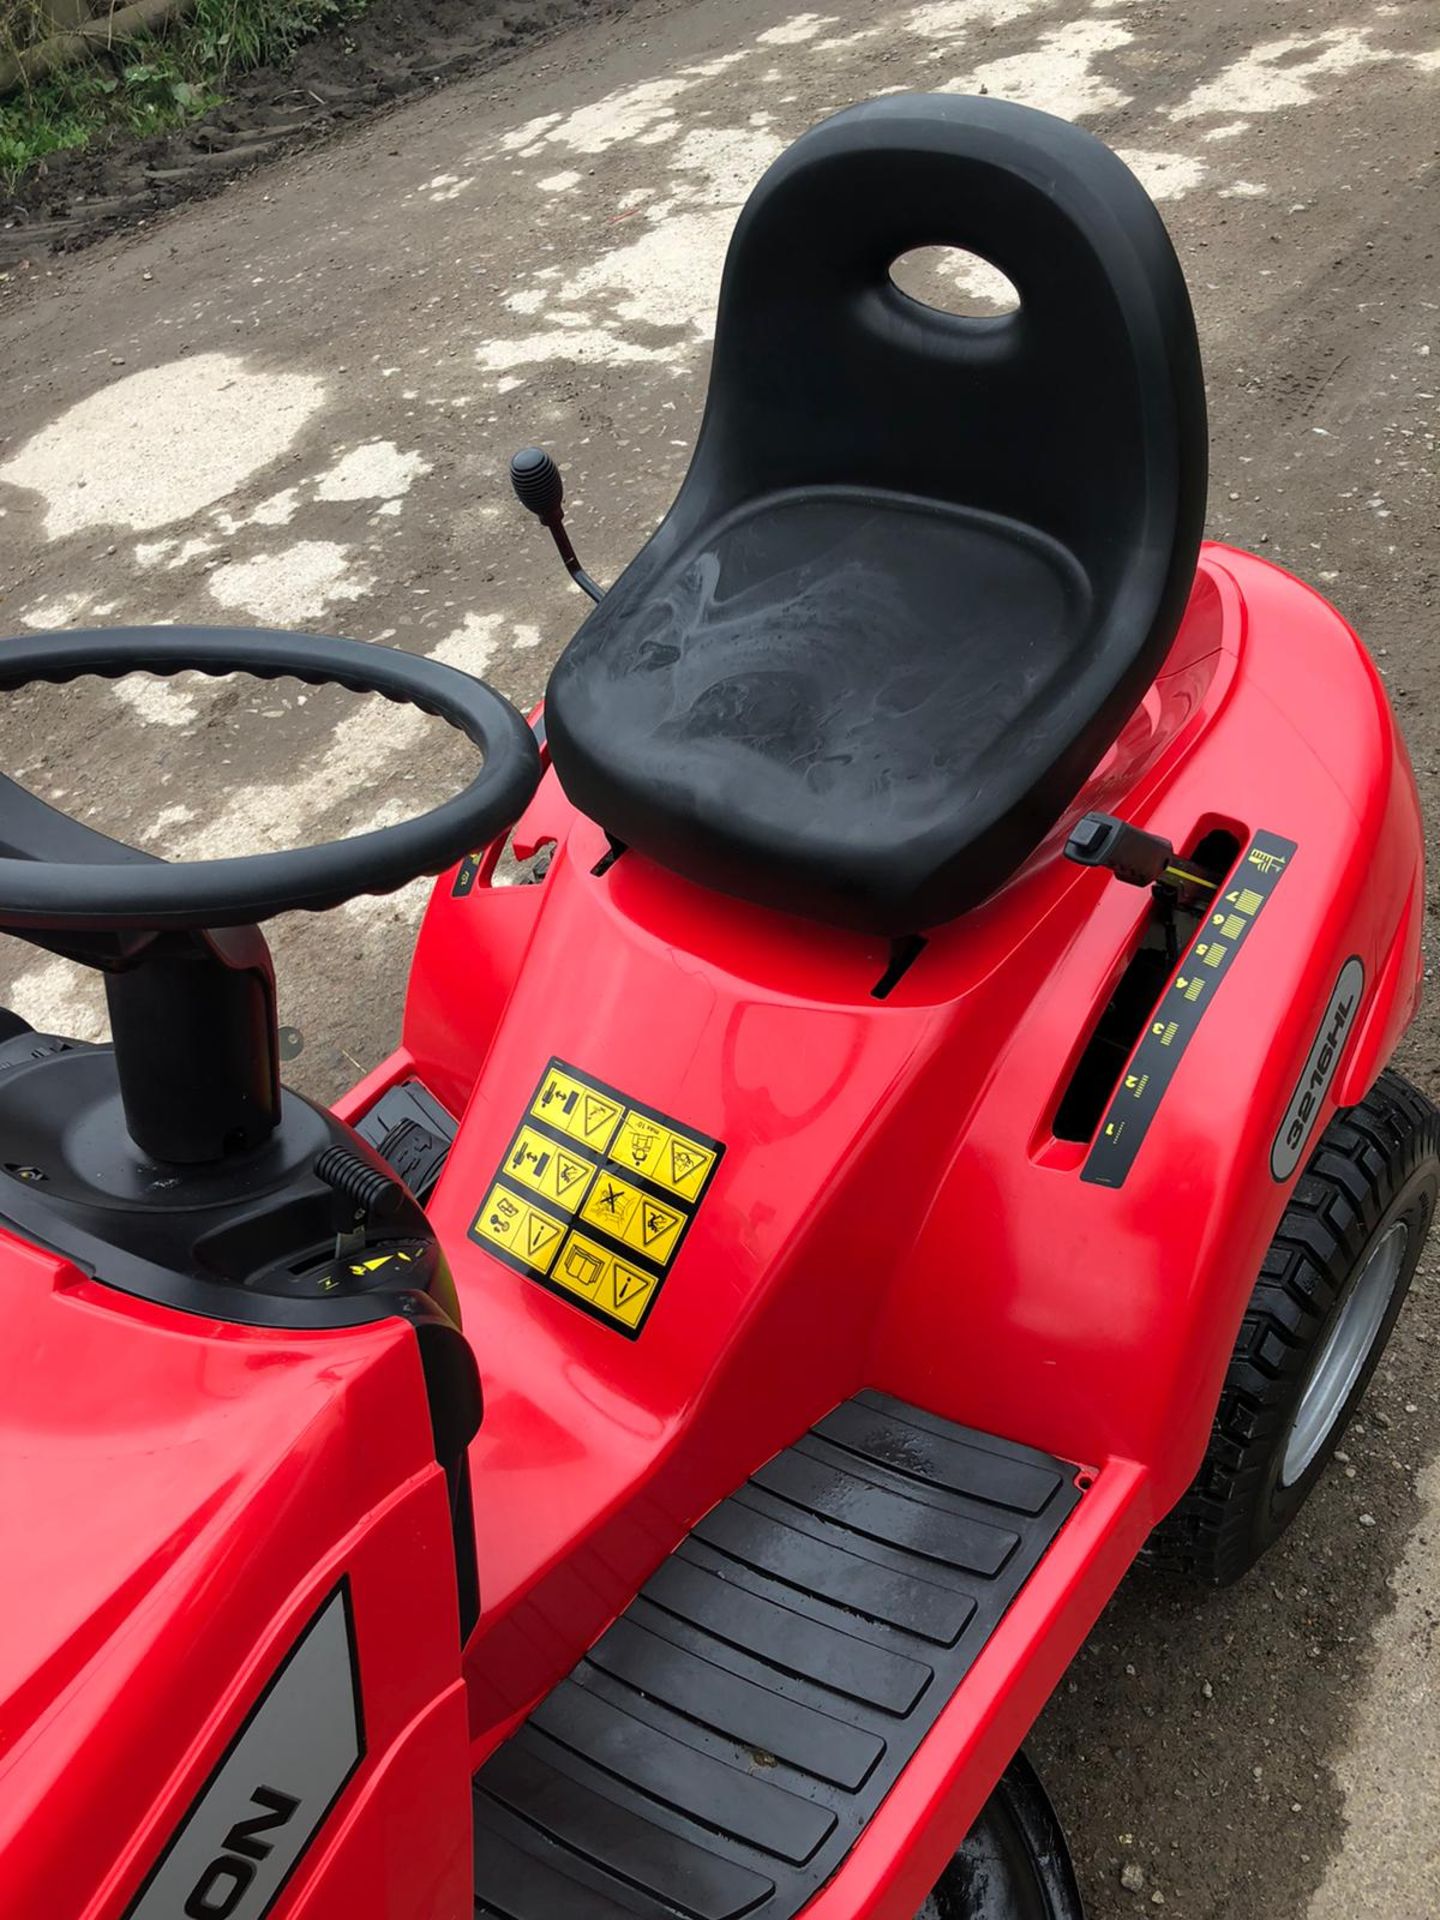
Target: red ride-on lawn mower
916,1136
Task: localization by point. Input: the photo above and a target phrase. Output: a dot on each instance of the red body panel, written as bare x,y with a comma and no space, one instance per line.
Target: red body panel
892,1211
178,1497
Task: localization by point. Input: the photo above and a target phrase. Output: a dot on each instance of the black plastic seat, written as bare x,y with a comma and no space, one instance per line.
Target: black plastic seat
922,566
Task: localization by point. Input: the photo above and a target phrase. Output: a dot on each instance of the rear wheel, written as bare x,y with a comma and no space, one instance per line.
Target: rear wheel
1014,1864
1330,1290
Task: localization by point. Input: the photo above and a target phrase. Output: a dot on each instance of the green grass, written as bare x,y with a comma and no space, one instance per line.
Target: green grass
149,94
148,87
231,36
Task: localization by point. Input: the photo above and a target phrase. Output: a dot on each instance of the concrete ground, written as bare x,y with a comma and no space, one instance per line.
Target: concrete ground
293,405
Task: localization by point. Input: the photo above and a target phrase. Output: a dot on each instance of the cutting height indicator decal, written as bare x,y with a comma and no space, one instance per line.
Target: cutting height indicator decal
595,1196
1208,959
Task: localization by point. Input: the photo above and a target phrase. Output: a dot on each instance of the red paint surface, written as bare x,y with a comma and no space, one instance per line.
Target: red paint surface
892,1211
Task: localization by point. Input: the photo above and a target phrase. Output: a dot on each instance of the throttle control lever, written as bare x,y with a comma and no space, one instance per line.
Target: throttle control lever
540,489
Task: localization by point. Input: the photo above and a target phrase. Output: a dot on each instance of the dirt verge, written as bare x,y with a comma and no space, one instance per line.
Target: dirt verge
396,49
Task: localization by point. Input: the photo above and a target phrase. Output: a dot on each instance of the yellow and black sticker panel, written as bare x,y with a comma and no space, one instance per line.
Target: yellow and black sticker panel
578,1108
616,1289
1182,1007
595,1196
645,1225
676,1161
466,874
558,1173
527,1234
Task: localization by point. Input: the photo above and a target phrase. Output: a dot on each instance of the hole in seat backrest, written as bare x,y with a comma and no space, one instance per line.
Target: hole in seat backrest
953,280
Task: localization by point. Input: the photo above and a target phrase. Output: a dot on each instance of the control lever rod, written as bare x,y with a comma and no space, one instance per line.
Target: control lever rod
540,489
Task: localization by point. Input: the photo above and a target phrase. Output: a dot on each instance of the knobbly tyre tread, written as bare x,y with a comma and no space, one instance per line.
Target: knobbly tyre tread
1366,1157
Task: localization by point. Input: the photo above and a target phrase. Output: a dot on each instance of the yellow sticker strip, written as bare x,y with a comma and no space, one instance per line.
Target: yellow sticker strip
626,1214
608,1283
525,1232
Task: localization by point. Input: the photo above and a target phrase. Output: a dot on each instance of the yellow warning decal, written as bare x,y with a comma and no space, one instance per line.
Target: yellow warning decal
626,1214
1270,860
612,1286
373,1265
586,1155
582,1111
546,1167
525,1232
661,1154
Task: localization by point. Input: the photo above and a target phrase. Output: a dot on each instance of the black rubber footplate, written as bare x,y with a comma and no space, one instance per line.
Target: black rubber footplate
719,1750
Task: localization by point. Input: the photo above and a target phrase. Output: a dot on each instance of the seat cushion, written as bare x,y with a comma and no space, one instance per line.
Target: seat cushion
828,703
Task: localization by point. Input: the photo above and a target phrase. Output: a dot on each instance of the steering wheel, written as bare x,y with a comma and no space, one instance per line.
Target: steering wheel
110,888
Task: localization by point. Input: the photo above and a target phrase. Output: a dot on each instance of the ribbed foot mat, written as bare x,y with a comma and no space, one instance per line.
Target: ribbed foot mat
719,1750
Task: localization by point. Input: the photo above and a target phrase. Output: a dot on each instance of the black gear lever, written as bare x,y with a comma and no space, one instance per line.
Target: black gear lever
540,489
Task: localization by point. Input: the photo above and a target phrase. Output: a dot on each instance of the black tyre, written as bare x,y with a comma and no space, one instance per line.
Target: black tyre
1330,1290
1014,1864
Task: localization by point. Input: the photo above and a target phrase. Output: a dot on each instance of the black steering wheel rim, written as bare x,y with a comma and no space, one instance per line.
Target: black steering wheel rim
157,895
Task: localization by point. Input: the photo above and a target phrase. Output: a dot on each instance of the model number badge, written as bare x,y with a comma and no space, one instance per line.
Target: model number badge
1308,1097
269,1796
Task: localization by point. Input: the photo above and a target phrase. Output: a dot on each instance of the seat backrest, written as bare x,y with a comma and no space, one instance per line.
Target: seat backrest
923,565
1081,413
